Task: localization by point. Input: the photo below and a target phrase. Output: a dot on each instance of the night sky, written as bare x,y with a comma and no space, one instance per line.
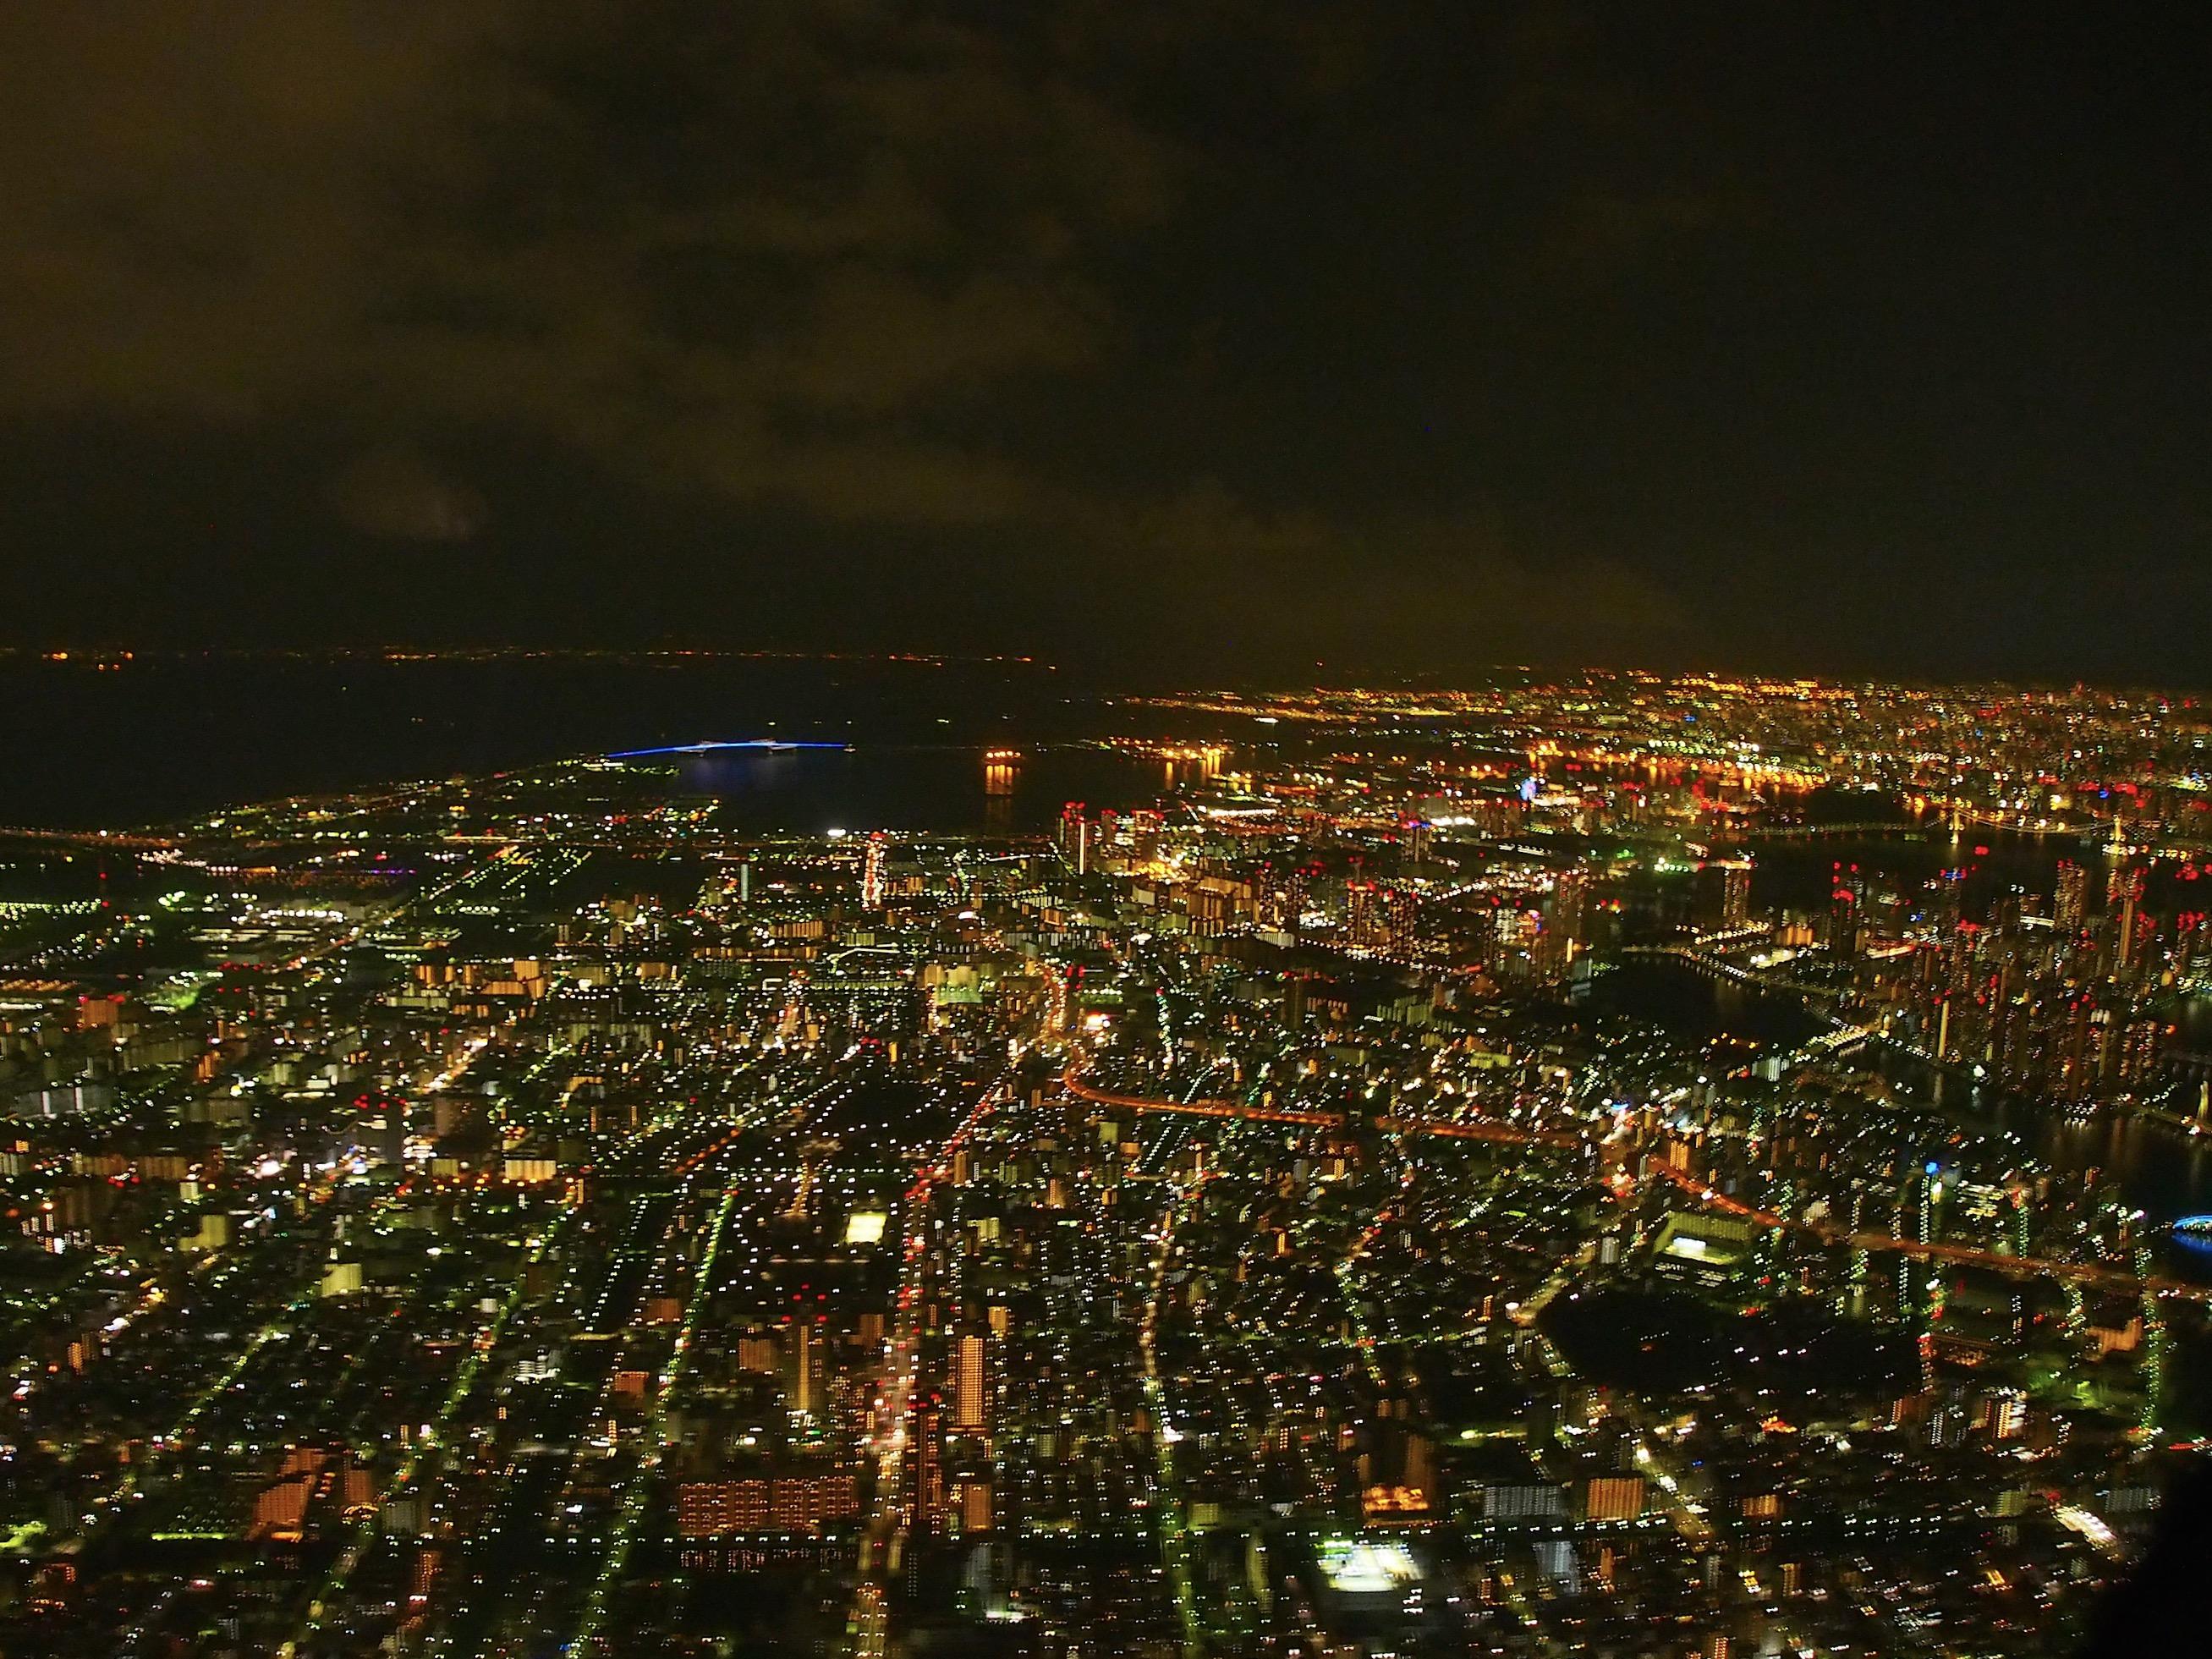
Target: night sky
1205,340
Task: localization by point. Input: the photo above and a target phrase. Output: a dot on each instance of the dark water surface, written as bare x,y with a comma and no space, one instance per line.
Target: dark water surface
2165,1173
1693,1009
1801,874
912,786
158,739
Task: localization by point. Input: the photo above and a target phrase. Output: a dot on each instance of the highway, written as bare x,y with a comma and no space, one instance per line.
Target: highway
867,1624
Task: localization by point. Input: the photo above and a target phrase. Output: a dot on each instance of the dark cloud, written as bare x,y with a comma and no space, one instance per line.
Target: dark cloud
1438,589
1491,329
736,253
395,495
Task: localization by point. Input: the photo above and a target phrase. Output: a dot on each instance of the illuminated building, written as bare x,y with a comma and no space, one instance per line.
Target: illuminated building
1362,1572
1077,834
971,1500
1032,1254
2069,910
926,1455
1417,833
871,877
1613,1498
1724,895
758,1351
1570,898
805,1372
800,1498
1846,906
971,1411
1362,916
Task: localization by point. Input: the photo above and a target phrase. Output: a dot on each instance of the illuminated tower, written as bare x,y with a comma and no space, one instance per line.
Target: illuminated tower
811,1157
973,1500
1417,832
971,1400
2070,907
1561,940
1570,898
1362,913
1722,889
805,1368
871,877
1946,902
1075,838
927,1498
1735,895
1400,919
1846,891
2126,889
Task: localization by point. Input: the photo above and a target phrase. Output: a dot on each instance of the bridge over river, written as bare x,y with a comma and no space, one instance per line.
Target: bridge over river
2093,1275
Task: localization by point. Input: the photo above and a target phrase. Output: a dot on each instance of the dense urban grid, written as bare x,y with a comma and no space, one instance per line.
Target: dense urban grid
1268,1215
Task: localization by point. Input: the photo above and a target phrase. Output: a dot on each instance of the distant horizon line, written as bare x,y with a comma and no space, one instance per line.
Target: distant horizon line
111,656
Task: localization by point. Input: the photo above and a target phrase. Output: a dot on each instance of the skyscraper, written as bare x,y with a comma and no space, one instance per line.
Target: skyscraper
806,1359
1569,898
2070,909
1723,895
1075,838
927,1460
1846,893
971,1401
871,877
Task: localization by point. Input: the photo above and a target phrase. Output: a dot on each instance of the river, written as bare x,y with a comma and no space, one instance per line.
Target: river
2162,1172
